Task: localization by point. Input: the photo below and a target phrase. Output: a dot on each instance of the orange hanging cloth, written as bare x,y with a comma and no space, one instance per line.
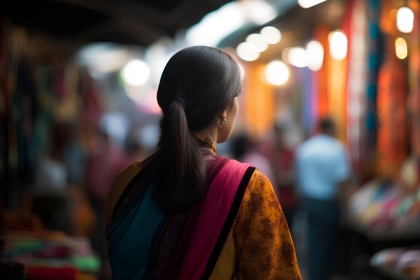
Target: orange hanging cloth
391,107
392,144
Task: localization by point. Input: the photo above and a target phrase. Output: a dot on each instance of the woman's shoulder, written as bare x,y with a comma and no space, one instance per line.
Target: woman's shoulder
118,186
259,176
127,174
259,182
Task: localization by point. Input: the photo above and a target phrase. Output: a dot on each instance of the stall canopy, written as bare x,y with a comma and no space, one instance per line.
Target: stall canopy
139,22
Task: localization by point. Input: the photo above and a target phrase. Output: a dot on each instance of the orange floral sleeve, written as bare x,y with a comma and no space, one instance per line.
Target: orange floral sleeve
263,244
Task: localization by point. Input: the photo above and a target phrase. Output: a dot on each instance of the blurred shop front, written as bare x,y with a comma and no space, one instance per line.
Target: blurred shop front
357,62
78,86
77,105
59,124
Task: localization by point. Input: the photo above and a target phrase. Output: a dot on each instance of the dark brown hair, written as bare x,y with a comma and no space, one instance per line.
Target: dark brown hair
327,125
206,80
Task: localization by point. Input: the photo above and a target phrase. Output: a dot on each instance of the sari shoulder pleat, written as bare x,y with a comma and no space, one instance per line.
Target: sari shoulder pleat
216,220
214,166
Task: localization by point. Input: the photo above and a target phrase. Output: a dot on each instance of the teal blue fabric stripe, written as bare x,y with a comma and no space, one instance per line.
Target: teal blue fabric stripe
130,243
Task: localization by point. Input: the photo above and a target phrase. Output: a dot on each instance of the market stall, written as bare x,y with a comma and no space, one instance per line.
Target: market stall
358,63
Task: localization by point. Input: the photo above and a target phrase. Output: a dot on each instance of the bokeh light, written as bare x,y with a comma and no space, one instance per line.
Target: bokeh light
405,20
135,73
259,11
270,35
247,51
401,48
298,57
338,45
277,73
315,54
309,3
257,40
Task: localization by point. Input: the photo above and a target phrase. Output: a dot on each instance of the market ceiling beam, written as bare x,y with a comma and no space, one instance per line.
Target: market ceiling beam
154,21
132,23
139,22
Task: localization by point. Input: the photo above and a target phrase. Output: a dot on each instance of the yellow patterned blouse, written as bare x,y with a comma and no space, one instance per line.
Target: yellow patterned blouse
260,242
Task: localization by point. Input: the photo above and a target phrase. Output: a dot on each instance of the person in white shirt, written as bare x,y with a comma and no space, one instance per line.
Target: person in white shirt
322,170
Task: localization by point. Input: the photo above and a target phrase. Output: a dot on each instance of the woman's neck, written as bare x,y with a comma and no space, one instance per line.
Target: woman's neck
211,131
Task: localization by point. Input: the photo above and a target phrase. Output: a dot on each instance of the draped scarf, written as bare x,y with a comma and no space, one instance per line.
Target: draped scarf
146,243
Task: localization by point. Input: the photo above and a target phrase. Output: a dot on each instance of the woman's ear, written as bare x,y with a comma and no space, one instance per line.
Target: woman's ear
224,114
221,116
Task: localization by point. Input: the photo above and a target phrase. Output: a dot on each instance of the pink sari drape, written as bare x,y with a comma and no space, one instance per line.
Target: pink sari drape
213,217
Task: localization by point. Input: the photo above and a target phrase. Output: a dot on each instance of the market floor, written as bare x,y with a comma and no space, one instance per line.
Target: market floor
299,238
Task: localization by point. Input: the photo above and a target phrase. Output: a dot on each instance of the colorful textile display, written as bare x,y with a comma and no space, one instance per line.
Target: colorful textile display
356,79
374,61
389,205
321,35
382,206
51,255
392,142
413,102
402,261
391,101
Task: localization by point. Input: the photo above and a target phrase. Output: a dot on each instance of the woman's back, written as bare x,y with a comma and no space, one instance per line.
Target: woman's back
238,229
186,213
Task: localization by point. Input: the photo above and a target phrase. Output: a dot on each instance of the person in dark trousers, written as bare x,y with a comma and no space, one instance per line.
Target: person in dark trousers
323,170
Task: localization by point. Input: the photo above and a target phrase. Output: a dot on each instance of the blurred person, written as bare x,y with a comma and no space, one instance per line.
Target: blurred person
283,162
323,169
244,150
103,164
184,212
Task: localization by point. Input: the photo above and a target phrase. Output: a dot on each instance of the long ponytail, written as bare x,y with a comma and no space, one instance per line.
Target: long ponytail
180,168
196,85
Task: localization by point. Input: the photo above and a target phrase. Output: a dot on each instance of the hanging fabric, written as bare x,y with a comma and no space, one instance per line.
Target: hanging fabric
392,148
413,101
